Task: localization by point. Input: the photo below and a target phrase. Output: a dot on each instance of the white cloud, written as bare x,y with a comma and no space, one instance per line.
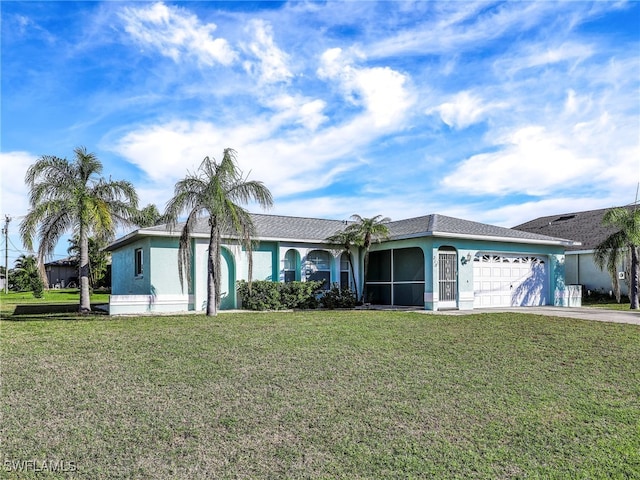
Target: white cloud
166,152
380,90
15,195
541,54
531,160
298,110
176,34
271,65
290,162
287,148
459,26
464,110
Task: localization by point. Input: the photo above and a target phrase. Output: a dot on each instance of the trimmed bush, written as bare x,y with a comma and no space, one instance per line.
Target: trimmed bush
267,295
338,297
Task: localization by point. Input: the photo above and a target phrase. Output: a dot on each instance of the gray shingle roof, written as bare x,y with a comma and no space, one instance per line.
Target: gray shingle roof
277,227
292,228
439,224
316,230
585,227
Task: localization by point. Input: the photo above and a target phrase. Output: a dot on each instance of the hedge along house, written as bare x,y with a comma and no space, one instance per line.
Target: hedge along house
433,262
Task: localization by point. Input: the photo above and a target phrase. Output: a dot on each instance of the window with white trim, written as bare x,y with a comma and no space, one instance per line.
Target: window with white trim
345,271
291,266
138,264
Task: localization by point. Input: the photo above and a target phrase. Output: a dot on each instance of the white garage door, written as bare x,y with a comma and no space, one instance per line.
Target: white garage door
510,280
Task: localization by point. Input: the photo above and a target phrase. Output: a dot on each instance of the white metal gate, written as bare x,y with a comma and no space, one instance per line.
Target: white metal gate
447,280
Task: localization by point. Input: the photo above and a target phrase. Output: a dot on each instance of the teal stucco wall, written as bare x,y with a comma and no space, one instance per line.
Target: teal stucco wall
123,278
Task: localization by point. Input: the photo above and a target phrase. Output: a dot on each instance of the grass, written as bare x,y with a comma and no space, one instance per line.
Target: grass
321,394
604,301
54,303
610,306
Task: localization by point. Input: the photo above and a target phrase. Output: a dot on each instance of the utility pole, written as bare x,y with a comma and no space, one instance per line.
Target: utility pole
5,230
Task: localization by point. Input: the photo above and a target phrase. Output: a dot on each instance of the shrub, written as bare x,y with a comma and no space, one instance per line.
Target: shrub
267,295
338,297
299,294
37,287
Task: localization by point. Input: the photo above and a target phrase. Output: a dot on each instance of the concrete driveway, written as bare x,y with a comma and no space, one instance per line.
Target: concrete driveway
582,313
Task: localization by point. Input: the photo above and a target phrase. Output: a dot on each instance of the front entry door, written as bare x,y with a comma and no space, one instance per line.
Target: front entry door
447,280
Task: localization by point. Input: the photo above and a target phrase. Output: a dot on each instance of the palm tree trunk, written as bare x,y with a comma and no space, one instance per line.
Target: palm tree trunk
83,272
217,271
42,271
353,273
635,273
212,307
364,281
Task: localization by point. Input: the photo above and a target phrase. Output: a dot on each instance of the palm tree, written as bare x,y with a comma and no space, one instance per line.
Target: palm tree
216,189
25,272
625,241
149,216
346,238
368,231
70,196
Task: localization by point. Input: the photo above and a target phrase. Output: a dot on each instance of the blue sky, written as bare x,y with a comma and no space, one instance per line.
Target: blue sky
495,112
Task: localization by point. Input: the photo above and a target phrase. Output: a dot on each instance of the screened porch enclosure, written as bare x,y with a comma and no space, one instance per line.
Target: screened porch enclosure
396,277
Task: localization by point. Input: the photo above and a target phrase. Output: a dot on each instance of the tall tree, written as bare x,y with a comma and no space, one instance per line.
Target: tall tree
149,216
368,231
625,240
347,239
216,189
71,196
24,273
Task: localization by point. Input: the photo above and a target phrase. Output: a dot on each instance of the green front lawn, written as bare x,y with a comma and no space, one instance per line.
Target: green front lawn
51,303
321,394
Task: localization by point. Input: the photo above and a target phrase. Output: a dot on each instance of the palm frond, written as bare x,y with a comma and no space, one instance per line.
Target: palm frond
87,164
184,248
608,252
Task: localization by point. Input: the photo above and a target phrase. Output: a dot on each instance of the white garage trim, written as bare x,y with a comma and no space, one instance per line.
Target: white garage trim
510,280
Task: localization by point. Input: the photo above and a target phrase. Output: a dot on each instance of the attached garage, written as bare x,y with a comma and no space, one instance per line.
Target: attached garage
508,280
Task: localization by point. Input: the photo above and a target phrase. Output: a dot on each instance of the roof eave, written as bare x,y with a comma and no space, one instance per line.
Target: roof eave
495,238
131,237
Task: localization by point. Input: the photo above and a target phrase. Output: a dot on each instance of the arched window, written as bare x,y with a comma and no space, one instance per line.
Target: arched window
318,267
345,271
291,266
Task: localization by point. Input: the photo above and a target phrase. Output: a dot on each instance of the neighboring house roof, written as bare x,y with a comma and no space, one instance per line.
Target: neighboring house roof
585,227
63,262
278,227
